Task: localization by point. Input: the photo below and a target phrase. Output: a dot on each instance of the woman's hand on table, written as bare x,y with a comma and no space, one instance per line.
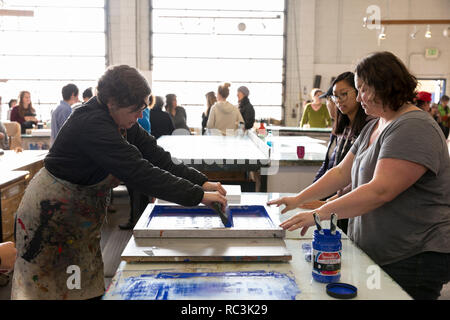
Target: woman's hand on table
291,203
302,220
210,197
214,186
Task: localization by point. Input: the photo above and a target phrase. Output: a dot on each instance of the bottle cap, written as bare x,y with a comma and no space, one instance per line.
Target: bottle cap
341,290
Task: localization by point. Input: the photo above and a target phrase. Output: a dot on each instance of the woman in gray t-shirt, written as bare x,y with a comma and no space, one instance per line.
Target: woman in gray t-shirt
399,168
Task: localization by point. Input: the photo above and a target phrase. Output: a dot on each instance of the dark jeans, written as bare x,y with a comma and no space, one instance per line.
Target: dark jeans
343,225
138,203
421,276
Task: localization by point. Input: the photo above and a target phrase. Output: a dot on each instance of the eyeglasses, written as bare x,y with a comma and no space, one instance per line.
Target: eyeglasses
140,109
340,97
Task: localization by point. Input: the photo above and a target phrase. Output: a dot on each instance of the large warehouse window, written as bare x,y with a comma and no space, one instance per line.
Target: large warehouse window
63,42
199,44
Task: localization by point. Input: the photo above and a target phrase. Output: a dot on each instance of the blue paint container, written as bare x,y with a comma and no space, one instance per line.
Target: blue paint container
327,250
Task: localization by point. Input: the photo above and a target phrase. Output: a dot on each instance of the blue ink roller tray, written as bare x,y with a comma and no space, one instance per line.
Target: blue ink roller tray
341,290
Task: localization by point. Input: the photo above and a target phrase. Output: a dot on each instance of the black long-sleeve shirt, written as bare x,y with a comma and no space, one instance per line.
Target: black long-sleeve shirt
161,124
89,147
247,112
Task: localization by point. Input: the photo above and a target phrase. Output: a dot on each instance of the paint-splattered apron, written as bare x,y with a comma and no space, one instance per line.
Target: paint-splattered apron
58,239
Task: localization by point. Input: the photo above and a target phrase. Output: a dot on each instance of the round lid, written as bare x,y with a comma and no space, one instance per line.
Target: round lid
341,290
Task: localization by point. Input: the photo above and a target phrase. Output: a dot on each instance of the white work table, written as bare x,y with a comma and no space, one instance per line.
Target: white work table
253,280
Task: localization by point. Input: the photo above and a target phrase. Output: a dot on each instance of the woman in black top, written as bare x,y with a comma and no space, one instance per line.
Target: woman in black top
176,113
59,219
350,120
245,107
161,124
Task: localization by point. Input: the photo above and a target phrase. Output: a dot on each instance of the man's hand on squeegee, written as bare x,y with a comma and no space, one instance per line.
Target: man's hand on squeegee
210,197
214,186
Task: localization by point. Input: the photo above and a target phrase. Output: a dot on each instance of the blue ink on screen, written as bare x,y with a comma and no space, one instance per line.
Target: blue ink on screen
259,285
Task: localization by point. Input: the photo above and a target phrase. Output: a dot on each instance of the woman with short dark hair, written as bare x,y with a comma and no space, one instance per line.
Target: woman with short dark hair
59,219
399,167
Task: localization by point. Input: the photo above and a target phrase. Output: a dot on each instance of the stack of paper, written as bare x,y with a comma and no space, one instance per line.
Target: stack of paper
233,195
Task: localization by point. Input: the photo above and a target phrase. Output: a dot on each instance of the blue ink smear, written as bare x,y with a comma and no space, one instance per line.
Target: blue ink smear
253,285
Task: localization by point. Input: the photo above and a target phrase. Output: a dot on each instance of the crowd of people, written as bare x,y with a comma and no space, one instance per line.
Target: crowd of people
172,119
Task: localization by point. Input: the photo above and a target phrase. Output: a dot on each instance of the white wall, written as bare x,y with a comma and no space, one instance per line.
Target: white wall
331,40
129,36
324,37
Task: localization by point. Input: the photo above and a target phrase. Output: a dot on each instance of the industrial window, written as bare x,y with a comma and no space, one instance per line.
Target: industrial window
63,42
196,45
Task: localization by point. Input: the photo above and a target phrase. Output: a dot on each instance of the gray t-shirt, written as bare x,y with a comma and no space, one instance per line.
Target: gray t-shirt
418,219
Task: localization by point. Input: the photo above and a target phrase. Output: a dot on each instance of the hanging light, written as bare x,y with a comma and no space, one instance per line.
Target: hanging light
414,33
364,22
382,35
428,33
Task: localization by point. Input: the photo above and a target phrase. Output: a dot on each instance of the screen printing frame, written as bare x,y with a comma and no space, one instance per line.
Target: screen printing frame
242,229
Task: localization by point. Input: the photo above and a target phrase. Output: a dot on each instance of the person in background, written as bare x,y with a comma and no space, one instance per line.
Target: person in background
160,121
331,151
210,101
177,113
423,101
87,94
4,142
349,121
245,107
59,219
224,116
12,104
315,114
24,113
444,115
145,120
399,167
64,109
434,112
